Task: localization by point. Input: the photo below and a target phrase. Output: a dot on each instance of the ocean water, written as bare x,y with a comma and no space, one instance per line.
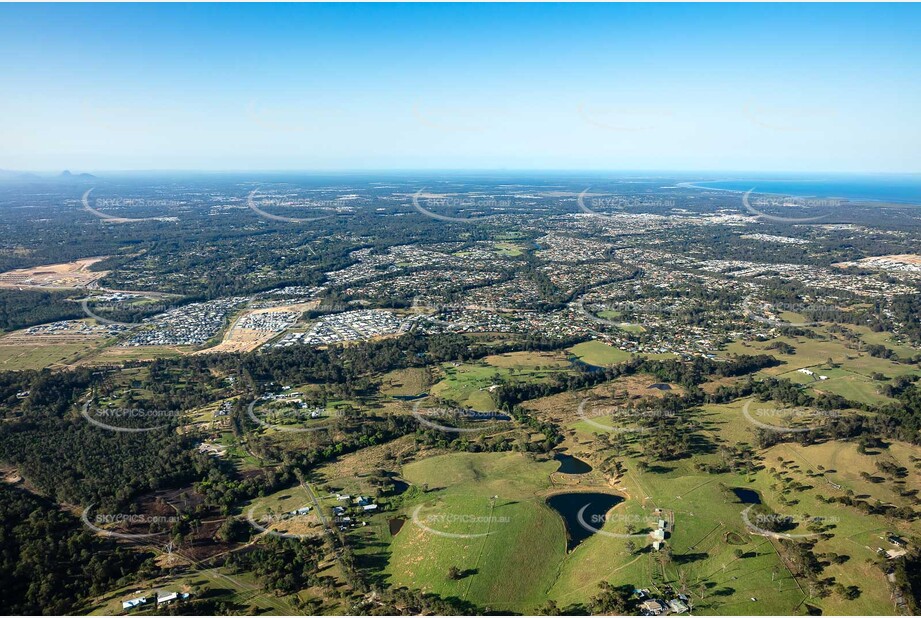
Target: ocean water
901,188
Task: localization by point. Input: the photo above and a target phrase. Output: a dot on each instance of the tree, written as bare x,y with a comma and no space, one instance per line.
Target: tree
454,573
613,600
664,558
233,530
549,608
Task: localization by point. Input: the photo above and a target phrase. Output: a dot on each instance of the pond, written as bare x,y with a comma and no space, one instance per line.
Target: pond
747,496
571,465
399,486
595,505
396,524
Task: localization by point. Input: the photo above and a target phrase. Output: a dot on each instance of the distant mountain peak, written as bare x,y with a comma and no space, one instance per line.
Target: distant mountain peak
68,174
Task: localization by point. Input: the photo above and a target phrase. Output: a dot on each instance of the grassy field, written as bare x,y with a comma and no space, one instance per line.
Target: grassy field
705,513
467,384
283,501
850,377
492,494
242,590
855,534
703,517
503,495
612,314
39,355
509,249
116,354
598,353
708,526
884,338
528,361
843,465
563,408
406,382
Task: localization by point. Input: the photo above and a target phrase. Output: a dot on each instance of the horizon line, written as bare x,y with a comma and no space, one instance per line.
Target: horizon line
411,170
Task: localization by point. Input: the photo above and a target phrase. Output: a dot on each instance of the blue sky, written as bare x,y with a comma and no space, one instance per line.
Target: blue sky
541,86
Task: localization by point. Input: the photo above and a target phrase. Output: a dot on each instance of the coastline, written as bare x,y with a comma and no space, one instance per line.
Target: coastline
853,200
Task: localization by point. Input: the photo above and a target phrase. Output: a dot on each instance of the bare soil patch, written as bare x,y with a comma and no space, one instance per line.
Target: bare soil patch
65,276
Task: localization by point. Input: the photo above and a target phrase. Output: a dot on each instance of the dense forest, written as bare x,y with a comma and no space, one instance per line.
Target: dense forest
19,309
49,562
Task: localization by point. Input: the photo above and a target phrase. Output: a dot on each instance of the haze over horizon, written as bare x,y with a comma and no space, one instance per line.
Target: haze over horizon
815,89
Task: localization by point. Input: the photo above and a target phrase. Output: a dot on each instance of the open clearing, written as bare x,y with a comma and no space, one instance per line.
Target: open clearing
850,374
498,501
563,408
410,382
705,512
20,350
240,589
514,563
599,353
65,276
504,494
117,354
469,384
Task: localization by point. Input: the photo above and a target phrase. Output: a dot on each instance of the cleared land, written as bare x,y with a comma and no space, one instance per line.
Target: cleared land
22,350
563,408
707,517
599,353
851,373
68,275
116,354
469,384
409,382
500,572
